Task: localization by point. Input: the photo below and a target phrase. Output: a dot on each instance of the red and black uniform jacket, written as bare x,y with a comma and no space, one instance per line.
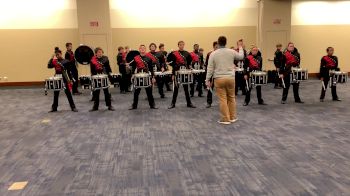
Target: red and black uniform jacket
100,65
328,63
158,59
252,63
121,61
142,63
289,60
180,58
197,58
72,64
278,59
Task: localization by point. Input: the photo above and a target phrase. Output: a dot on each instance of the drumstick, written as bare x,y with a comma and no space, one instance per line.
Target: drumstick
247,85
323,86
284,85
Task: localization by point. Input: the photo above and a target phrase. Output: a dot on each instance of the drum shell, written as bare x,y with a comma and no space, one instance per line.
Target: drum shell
54,83
142,80
99,82
184,77
259,78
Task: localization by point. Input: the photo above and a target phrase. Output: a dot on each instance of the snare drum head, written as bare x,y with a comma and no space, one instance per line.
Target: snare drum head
259,73
141,75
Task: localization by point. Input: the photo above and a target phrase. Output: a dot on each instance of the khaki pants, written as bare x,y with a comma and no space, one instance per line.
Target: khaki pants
225,90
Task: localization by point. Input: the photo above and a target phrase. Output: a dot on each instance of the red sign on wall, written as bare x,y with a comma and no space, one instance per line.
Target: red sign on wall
93,23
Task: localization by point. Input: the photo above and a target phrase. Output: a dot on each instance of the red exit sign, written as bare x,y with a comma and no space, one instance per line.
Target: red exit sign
93,23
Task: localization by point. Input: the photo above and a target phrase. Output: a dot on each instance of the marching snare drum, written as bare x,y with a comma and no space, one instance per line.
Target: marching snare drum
142,80
338,77
259,78
85,81
299,74
99,81
184,76
54,83
239,70
198,71
116,78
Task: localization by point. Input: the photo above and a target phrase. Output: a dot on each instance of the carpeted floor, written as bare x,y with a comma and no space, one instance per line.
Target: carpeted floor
292,149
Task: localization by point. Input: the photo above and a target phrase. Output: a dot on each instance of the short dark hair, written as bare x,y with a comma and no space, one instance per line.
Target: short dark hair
98,49
178,43
195,45
329,48
68,44
120,48
278,45
152,44
161,45
222,41
142,45
215,43
57,50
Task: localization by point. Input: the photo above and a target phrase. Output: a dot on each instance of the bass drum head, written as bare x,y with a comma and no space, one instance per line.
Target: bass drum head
83,54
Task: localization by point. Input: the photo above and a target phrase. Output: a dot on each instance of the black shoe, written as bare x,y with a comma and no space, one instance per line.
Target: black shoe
283,102
245,104
153,107
277,87
321,100
122,92
208,105
191,106
168,89
171,106
53,110
192,95
74,110
299,101
337,99
262,103
162,96
200,95
93,109
111,108
132,108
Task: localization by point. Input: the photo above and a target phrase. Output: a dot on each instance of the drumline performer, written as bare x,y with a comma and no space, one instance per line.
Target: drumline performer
197,63
167,78
291,58
142,63
158,63
277,60
180,59
210,91
60,65
121,61
72,68
100,65
328,63
253,62
239,77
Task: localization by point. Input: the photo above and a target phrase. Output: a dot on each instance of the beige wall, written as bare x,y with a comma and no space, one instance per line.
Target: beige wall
204,36
312,42
25,53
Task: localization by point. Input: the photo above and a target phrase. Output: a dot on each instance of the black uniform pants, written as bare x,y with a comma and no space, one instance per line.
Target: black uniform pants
124,82
56,94
176,91
160,84
210,94
149,97
258,94
326,80
199,79
75,75
96,97
286,89
240,83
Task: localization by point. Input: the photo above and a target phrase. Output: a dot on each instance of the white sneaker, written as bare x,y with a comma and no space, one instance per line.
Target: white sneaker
234,120
223,122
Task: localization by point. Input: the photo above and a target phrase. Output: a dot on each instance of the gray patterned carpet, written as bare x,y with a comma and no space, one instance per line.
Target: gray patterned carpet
272,150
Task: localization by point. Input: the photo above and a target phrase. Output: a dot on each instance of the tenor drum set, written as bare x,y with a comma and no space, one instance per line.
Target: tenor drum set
338,77
54,83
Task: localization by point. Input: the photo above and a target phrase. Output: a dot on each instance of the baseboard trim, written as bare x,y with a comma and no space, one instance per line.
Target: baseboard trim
31,83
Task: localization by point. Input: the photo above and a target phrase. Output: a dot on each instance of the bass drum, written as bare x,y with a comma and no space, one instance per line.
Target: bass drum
83,54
